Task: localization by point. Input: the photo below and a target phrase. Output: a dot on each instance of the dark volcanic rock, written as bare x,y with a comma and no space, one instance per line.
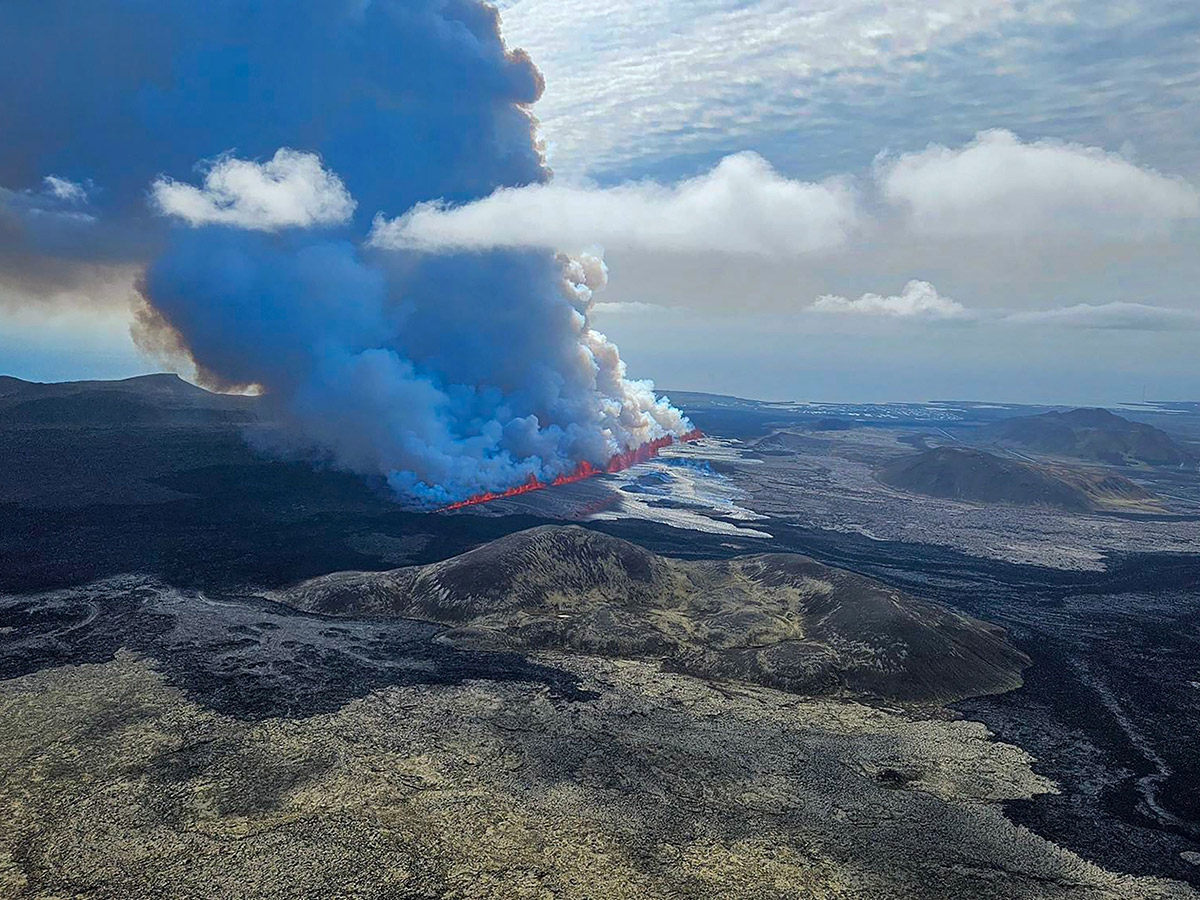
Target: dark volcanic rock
1095,434
242,656
781,620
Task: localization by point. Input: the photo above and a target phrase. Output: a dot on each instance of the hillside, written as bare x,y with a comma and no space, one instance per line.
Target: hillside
796,438
781,620
1094,434
144,400
975,476
76,443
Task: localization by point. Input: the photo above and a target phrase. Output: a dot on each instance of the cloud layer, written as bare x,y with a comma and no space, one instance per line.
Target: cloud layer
820,85
627,79
1116,316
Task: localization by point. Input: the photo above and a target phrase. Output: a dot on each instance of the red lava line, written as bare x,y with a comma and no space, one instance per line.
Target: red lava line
618,462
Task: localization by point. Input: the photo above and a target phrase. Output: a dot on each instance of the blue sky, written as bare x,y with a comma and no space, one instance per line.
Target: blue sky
1055,220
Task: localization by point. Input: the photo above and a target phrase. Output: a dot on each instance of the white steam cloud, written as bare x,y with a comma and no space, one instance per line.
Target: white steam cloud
742,206
629,410
291,190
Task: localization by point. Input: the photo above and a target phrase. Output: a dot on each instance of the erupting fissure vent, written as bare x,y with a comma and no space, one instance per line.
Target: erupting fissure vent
618,462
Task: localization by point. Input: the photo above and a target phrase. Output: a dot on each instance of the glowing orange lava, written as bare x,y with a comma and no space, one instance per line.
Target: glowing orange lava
619,461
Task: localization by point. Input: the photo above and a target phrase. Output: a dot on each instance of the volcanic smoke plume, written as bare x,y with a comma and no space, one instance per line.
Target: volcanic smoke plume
240,152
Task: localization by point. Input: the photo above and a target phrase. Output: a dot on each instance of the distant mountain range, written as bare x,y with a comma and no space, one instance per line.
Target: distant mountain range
976,476
776,619
144,400
1093,434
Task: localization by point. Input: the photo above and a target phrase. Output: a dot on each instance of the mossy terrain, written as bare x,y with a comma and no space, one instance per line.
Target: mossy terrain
117,785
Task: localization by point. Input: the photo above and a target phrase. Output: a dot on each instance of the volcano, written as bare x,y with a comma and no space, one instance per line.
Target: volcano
616,463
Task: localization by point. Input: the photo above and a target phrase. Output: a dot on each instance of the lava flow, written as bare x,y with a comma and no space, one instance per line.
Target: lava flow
616,463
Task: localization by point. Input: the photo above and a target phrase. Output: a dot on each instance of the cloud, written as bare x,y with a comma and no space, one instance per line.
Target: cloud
65,189
630,82
291,190
742,206
58,200
918,300
1118,316
998,186
631,308
992,188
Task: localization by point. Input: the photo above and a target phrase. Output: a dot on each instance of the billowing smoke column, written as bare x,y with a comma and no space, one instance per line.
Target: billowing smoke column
243,150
